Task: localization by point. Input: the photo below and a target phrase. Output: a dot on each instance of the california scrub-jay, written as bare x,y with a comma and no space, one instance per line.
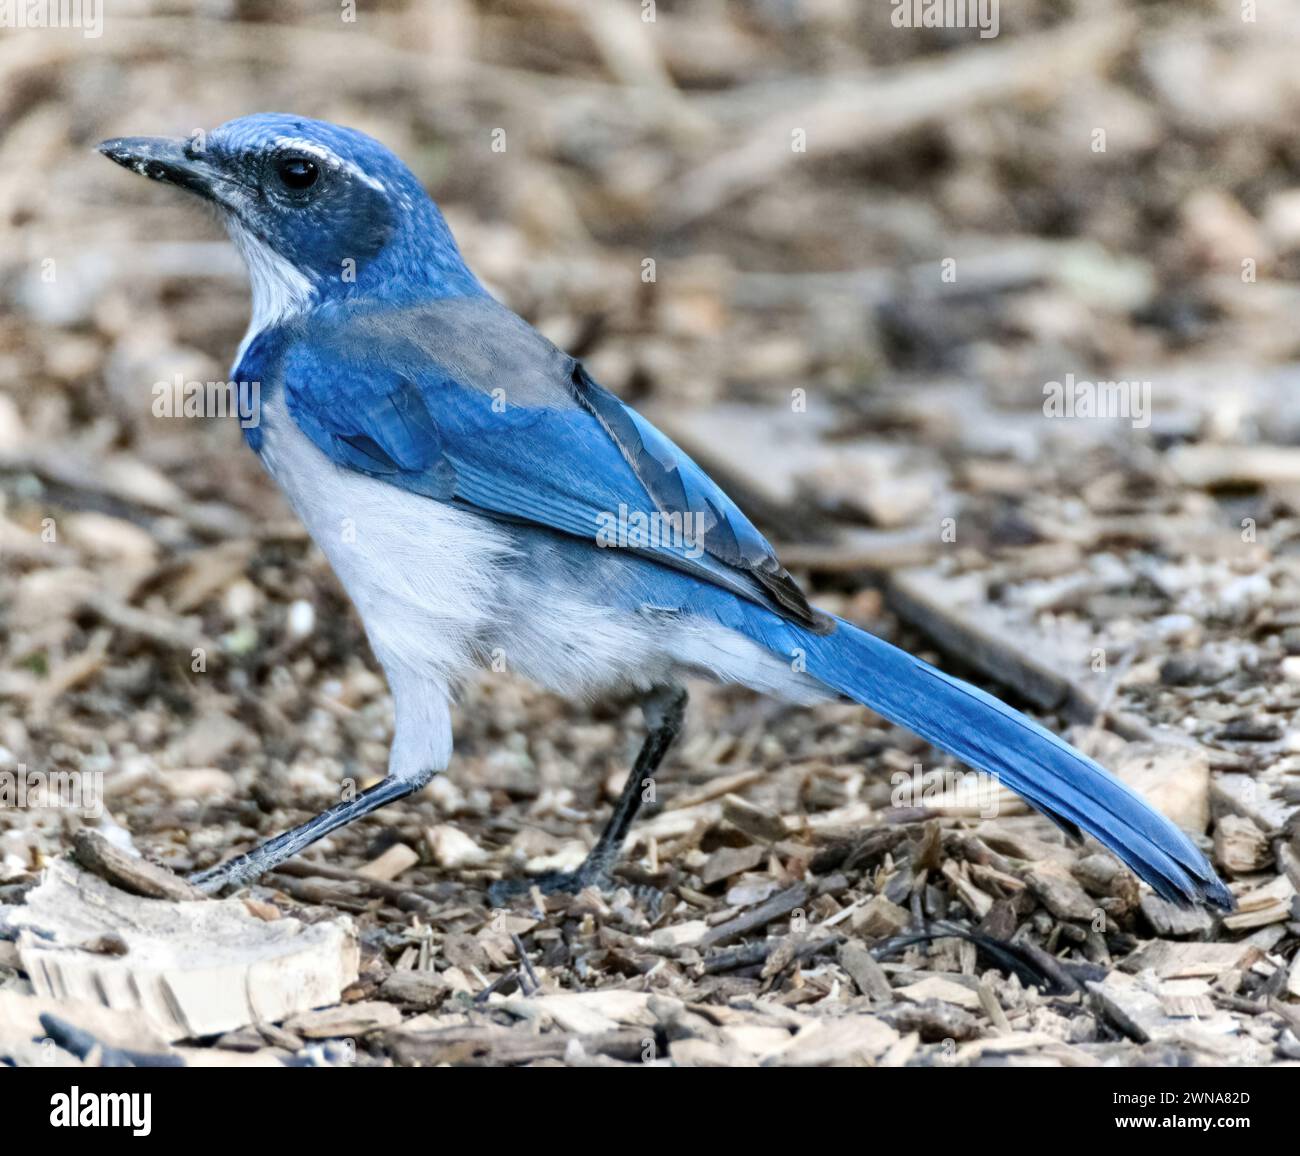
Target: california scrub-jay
477,492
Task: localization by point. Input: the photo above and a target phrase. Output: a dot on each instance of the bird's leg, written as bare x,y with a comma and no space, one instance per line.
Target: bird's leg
269,855
664,710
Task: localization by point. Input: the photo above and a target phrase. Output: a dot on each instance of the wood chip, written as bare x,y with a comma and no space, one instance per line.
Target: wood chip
422,989
944,990
1174,921
1173,779
1141,1015
388,866
865,972
1261,906
879,918
587,1012
729,861
775,908
344,1022
450,847
1248,796
849,1040
757,822
1060,892
1240,847
1184,960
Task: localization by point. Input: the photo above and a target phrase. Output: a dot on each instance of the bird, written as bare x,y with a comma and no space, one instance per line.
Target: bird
480,495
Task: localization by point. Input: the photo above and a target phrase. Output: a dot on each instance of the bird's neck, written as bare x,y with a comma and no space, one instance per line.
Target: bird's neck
419,263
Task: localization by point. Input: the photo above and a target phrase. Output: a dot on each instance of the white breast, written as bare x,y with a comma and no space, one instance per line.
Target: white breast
420,573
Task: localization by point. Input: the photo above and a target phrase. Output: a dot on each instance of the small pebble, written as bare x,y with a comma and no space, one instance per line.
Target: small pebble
302,619
1193,670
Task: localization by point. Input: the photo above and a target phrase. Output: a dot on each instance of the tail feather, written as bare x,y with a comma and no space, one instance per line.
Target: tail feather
1045,770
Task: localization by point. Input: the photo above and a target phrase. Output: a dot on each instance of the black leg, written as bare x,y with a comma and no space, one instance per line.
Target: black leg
269,855
664,710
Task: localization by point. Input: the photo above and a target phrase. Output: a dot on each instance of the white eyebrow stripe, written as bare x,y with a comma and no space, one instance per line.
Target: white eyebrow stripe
329,158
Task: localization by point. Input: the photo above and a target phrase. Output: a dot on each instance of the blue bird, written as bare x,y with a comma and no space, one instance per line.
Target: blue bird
477,493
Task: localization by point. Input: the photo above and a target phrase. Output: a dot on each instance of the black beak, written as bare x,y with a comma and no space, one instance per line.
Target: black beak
164,159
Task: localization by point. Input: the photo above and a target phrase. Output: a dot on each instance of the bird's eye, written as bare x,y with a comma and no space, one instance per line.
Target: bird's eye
297,173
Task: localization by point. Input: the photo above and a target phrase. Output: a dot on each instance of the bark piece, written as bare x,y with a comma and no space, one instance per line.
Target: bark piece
190,969
130,872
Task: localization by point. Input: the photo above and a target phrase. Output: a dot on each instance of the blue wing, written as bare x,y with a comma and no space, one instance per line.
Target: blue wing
462,402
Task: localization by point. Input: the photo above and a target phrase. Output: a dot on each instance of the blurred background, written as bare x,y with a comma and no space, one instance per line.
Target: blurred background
837,259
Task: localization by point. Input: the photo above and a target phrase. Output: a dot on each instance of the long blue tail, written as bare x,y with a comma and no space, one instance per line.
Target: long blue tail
1060,781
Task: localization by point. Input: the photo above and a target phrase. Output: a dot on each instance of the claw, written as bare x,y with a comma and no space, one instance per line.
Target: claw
504,891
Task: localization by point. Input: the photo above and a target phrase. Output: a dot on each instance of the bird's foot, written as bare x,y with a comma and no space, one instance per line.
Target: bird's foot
505,892
226,876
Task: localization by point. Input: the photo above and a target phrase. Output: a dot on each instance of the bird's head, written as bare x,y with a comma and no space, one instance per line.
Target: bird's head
320,212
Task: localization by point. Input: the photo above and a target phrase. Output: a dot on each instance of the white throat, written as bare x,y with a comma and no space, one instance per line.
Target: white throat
280,291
